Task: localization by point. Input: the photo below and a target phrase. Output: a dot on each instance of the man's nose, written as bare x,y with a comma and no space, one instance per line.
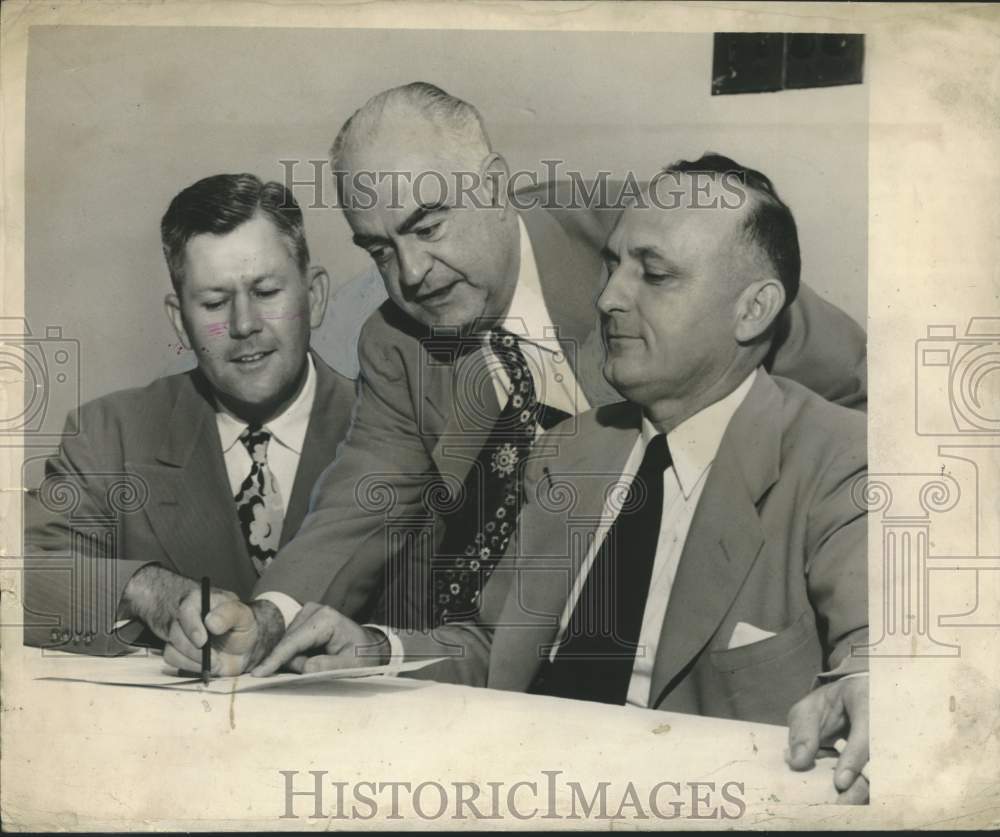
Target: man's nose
613,297
244,318
414,264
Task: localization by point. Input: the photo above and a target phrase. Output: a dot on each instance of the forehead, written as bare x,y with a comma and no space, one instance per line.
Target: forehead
398,170
682,232
254,248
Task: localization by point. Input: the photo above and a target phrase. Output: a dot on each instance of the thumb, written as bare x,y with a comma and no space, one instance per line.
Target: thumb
230,617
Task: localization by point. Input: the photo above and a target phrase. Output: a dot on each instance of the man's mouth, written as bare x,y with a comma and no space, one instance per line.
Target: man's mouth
250,358
437,296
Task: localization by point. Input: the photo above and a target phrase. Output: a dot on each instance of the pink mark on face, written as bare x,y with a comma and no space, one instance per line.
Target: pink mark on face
217,329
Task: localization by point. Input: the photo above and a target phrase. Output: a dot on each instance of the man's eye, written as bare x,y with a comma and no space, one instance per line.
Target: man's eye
213,305
430,232
655,278
611,265
380,254
267,293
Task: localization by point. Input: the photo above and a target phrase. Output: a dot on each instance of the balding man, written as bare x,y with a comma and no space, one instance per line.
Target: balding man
432,465
695,548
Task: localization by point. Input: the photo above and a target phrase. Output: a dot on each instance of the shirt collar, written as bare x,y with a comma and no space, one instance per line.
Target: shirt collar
695,441
288,429
528,318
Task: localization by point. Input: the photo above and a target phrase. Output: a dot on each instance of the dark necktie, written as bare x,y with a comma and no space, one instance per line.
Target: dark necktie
476,535
258,501
595,657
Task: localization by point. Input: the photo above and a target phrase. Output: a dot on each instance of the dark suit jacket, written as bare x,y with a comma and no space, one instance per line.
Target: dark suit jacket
417,425
777,541
144,480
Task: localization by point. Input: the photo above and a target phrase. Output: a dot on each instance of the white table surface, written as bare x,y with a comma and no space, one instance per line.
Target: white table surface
83,756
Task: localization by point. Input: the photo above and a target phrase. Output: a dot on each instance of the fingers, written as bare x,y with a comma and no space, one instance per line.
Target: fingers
305,664
182,644
854,755
175,659
188,620
805,721
856,794
305,633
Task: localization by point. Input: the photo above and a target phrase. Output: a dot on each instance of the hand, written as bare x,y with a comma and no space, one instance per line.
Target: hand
240,635
835,710
168,604
341,643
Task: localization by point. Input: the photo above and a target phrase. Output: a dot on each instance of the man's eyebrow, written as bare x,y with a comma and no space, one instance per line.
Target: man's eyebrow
419,214
363,240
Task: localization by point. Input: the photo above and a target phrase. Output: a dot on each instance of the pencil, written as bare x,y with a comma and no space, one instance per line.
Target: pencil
206,649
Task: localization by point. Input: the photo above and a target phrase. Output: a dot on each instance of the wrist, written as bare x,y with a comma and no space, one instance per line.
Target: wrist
378,648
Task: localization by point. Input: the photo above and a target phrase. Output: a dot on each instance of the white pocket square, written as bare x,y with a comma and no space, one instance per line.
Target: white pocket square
744,634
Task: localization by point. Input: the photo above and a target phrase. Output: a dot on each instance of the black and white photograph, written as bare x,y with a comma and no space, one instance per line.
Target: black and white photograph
539,416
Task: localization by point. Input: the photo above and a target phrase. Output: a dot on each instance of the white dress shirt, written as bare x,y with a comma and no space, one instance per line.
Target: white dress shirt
693,445
555,384
529,320
288,433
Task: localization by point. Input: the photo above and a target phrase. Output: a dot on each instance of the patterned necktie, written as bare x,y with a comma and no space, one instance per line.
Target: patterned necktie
595,658
258,502
477,534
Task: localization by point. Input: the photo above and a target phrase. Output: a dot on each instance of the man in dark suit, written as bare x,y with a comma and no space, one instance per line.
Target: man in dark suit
205,473
697,548
418,467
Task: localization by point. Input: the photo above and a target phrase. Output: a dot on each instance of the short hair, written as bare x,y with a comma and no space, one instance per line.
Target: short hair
769,222
454,116
221,203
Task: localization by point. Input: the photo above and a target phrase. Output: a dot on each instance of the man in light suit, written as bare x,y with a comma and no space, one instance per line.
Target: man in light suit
164,471
426,423
697,548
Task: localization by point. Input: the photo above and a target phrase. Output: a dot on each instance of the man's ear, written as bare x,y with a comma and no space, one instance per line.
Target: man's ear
319,294
758,306
173,308
495,177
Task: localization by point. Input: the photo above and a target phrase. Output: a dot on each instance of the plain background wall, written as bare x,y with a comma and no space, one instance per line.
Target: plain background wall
120,119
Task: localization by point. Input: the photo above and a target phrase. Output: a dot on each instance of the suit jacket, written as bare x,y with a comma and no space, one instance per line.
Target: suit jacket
144,480
777,541
418,425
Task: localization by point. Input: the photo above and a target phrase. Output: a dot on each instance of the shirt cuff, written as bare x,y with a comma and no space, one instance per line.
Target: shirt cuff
287,606
825,677
396,651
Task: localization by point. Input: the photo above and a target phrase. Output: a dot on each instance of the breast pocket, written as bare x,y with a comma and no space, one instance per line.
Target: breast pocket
794,638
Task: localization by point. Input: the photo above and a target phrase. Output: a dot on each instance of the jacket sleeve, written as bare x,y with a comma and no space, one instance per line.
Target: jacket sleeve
368,501
837,562
75,571
822,348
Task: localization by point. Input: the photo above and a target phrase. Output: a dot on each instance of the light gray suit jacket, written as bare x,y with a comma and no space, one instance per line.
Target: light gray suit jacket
777,541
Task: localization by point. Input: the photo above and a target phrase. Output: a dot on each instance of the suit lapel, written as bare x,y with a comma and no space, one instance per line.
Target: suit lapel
725,536
190,508
319,447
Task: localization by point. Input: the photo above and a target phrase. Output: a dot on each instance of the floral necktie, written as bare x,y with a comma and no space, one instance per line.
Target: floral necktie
258,502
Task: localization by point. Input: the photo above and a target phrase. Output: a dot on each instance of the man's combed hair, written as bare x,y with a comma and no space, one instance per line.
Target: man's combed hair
769,221
221,203
452,115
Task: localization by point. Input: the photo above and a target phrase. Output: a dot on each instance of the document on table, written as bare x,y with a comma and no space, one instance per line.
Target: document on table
151,673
